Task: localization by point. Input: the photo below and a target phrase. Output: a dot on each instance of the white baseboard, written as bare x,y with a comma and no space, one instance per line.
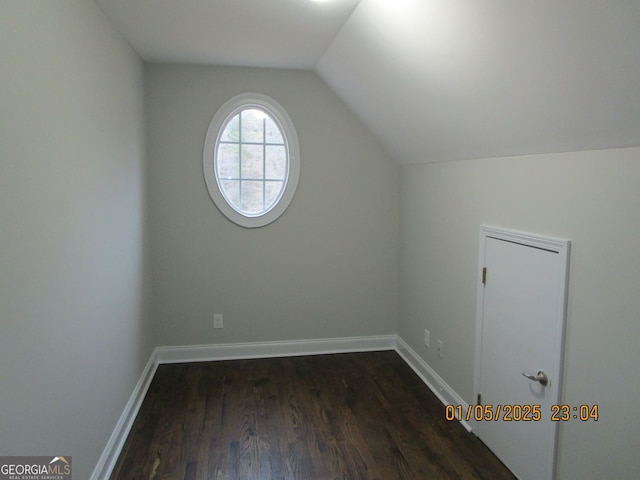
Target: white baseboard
438,386
234,351
204,353
109,456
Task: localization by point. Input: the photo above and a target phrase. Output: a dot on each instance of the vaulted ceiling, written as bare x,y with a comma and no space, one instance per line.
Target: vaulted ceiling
435,80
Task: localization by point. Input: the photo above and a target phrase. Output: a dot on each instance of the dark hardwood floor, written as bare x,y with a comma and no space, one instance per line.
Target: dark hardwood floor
347,416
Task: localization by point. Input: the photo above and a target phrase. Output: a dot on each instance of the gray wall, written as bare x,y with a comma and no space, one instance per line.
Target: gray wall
327,268
74,338
591,198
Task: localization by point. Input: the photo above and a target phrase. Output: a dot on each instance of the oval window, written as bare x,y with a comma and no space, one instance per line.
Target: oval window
250,160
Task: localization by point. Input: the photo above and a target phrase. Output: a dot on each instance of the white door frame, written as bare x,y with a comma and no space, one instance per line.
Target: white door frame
560,246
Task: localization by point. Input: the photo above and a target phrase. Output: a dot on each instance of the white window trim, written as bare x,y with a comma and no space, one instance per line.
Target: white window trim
226,112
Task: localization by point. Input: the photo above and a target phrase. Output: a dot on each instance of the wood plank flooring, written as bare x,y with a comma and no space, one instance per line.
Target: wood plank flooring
347,416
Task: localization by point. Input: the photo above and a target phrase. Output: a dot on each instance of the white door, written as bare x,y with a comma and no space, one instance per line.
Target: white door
520,340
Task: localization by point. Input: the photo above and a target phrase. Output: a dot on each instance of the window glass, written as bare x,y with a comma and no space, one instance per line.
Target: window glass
251,160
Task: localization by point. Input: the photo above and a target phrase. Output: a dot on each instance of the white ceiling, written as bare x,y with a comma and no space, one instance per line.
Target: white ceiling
256,33
460,79
435,80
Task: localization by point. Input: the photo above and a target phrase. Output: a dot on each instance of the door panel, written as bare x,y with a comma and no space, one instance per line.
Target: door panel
522,320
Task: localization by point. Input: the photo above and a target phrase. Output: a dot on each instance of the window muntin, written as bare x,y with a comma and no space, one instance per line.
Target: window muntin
251,160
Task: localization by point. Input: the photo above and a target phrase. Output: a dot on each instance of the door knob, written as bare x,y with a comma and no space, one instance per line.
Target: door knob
540,377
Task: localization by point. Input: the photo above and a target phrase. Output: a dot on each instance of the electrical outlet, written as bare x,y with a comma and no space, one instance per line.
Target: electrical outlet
427,338
439,344
218,321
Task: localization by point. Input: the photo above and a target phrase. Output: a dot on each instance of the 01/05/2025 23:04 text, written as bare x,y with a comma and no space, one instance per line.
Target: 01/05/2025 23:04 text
521,413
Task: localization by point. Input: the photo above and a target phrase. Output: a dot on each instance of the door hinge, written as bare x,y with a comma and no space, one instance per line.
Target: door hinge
484,275
479,402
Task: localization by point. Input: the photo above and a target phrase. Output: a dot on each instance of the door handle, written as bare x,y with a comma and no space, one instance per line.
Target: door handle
540,377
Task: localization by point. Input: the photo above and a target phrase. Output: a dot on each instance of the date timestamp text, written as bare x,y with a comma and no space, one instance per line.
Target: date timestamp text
521,413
